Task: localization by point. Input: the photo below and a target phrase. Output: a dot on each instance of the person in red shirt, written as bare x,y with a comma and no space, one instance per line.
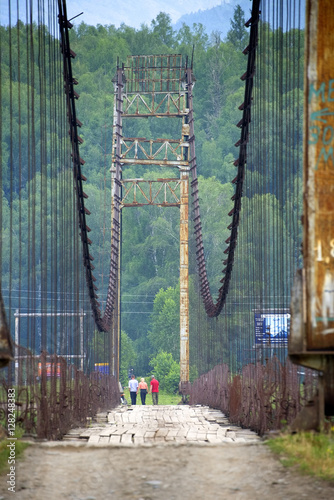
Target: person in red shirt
154,389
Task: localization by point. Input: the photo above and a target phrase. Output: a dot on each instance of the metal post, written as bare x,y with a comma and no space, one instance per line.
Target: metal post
115,332
114,316
319,177
118,333
184,281
116,173
318,191
81,340
17,341
312,332
111,333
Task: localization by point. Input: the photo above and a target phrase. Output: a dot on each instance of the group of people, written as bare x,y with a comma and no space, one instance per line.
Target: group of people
134,387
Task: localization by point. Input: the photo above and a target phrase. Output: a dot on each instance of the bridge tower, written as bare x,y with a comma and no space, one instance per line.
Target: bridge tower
155,86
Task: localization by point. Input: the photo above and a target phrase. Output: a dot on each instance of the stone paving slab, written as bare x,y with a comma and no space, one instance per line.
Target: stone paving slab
148,425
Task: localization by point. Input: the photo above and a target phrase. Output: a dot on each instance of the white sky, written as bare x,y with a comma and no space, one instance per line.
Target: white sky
133,12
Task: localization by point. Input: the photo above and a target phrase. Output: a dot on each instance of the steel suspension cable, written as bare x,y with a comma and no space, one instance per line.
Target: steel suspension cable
77,162
214,309
6,354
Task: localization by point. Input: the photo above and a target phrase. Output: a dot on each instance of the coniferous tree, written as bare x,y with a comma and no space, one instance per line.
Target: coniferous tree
238,34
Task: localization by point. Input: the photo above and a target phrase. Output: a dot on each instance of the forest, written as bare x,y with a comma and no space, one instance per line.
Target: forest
150,235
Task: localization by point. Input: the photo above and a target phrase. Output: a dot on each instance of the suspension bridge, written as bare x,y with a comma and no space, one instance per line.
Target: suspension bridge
263,348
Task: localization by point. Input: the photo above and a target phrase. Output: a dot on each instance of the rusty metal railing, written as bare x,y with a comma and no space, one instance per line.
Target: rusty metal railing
56,396
261,398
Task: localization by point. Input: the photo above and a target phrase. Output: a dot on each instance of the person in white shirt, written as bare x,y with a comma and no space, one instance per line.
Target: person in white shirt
133,386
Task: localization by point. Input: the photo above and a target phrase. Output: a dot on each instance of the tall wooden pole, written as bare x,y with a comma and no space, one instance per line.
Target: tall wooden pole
184,280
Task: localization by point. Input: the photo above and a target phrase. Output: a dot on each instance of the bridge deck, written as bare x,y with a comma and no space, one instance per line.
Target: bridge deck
145,425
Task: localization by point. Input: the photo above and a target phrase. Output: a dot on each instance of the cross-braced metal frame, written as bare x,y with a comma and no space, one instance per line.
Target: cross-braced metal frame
146,87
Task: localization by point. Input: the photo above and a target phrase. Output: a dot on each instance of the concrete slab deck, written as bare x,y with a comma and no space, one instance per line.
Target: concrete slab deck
148,425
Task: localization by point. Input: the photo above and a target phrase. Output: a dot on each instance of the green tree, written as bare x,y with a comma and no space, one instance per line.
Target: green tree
238,34
166,370
128,357
165,330
150,253
162,29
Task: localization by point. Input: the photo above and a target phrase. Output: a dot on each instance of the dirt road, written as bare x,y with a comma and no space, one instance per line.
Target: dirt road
78,470
168,472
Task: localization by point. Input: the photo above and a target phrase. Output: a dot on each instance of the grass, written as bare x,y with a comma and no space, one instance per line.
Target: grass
312,453
20,446
164,398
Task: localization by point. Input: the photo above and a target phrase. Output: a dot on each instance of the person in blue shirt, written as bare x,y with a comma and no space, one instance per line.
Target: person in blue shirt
133,386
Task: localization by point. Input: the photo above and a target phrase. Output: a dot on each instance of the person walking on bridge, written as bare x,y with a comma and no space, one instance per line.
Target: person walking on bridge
154,389
143,390
133,386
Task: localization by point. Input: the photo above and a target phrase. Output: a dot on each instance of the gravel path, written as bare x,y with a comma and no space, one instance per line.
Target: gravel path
157,470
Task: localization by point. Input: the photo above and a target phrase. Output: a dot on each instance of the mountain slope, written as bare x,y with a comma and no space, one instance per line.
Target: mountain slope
217,18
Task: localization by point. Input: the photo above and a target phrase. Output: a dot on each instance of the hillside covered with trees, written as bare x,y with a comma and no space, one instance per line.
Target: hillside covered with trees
150,235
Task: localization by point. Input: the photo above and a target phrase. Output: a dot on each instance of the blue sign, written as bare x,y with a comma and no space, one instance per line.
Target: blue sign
272,328
102,368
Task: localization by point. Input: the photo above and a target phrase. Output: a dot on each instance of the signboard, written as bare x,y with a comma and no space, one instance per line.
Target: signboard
52,369
102,368
272,328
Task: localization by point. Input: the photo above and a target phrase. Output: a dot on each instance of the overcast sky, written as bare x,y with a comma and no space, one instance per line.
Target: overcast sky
133,12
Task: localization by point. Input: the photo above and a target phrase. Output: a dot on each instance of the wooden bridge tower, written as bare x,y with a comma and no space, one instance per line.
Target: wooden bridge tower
150,87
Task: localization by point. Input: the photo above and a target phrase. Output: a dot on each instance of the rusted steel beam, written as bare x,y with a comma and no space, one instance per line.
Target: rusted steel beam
162,163
142,106
155,114
184,281
312,333
154,152
6,347
165,188
319,177
154,73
